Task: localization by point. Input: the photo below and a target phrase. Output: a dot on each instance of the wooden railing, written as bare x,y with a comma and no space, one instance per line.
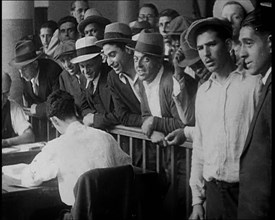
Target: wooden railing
135,133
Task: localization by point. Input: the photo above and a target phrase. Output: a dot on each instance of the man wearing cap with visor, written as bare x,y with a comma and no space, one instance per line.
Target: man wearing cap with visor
224,107
70,79
40,79
96,102
93,24
15,126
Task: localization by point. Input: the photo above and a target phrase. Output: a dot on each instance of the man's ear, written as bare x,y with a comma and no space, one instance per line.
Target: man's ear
269,40
228,43
55,121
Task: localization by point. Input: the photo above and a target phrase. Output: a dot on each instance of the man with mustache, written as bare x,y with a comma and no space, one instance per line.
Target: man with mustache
224,108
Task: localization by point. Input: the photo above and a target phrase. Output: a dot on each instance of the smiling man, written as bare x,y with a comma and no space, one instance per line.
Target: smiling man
224,108
97,106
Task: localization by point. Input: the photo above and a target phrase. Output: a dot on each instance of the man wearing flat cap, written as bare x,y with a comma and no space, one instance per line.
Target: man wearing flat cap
225,104
15,126
97,106
40,78
70,79
93,24
256,188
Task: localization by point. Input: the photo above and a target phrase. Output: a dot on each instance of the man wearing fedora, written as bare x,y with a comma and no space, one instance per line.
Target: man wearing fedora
40,78
159,112
96,103
70,79
224,107
93,24
15,126
122,80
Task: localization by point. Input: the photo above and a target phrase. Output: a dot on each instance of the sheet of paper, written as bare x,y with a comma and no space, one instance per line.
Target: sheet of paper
31,146
9,150
14,170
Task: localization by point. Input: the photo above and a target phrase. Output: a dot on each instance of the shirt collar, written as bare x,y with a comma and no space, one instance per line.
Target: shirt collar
94,81
72,127
264,79
35,79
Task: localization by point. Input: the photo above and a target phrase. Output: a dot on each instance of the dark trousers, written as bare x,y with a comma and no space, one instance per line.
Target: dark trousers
221,200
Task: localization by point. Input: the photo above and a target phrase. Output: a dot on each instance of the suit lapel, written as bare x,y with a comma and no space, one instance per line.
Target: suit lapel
258,109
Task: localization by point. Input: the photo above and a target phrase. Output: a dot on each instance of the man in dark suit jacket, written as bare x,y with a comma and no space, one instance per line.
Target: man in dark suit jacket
96,102
255,192
40,79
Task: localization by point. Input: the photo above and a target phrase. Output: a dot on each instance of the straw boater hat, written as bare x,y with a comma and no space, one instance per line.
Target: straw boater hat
116,32
85,49
25,53
149,43
191,56
218,6
191,34
64,48
92,15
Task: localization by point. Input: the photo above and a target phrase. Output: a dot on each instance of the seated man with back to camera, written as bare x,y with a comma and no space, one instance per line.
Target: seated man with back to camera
79,149
15,126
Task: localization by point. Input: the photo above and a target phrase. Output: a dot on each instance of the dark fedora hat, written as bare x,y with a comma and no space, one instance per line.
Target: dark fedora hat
191,56
179,24
92,15
116,32
149,43
191,34
25,53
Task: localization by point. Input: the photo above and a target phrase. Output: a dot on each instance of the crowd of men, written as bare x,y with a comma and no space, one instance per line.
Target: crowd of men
207,80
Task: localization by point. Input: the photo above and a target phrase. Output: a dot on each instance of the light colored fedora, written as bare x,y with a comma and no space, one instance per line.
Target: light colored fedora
191,56
218,6
149,43
25,53
92,15
191,34
179,24
116,32
85,49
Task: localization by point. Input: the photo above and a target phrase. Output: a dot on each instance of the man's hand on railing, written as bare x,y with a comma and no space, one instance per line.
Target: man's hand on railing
158,138
88,119
176,137
147,126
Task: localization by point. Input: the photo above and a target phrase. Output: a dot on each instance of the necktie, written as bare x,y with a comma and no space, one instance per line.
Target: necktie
90,87
34,88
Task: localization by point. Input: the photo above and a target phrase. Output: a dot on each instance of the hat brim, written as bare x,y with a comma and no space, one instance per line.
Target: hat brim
196,25
83,58
92,19
218,6
152,54
24,63
64,54
100,43
188,62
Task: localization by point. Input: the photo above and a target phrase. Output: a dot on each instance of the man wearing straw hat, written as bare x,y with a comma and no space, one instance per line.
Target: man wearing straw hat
97,106
15,126
93,24
40,79
224,107
122,80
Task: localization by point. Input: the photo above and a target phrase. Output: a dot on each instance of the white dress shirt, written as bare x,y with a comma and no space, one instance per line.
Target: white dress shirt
223,114
152,94
78,150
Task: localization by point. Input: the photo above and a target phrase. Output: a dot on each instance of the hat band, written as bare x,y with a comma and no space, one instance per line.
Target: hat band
25,57
112,35
148,48
88,50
